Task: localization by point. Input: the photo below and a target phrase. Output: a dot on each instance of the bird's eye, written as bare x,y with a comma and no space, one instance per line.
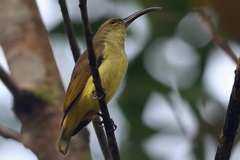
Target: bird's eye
112,22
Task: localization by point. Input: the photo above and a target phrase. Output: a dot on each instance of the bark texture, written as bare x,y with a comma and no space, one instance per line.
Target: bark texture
33,69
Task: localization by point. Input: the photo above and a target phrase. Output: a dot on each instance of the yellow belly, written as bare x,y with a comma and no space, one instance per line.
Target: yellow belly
112,71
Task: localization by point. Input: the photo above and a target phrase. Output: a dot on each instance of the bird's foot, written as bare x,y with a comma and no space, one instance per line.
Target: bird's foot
94,92
99,114
114,126
95,96
101,124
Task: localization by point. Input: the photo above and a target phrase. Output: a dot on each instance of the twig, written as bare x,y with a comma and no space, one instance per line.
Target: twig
101,138
9,83
231,122
108,123
70,31
217,38
9,133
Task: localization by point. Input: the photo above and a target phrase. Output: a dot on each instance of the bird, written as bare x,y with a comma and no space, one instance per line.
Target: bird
80,105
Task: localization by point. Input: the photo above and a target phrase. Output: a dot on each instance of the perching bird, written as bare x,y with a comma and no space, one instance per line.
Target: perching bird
80,106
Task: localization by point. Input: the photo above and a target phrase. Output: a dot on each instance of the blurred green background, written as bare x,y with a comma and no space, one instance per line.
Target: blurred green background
173,100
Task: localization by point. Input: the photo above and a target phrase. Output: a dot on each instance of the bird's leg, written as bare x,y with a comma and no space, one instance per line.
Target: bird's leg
99,114
114,126
101,124
95,96
111,122
94,92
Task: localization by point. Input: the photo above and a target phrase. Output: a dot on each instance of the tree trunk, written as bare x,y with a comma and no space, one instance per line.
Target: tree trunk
33,69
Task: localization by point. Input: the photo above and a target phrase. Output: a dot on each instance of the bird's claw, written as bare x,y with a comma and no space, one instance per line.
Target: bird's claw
114,126
101,124
99,114
95,96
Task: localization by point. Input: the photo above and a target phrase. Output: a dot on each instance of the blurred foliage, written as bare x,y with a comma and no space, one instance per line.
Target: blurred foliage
140,84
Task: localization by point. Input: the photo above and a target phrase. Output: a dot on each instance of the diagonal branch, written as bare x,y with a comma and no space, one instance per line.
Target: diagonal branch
9,133
9,83
232,121
101,136
70,31
108,123
217,38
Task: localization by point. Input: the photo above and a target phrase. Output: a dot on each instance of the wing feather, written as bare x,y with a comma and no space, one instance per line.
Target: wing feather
81,73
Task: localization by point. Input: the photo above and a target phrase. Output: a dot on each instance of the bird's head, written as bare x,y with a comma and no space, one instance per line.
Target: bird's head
116,28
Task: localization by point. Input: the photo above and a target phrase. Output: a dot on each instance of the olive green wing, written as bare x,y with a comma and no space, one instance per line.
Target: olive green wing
81,73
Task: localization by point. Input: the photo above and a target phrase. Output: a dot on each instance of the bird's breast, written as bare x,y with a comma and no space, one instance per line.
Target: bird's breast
112,69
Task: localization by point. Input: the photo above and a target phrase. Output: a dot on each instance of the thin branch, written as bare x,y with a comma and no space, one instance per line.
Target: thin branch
70,31
217,38
231,123
108,123
9,83
9,133
101,138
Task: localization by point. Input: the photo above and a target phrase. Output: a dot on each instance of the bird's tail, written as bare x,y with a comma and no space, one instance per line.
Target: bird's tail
63,142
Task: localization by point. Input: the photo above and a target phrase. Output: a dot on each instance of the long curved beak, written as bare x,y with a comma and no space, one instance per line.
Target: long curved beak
137,14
